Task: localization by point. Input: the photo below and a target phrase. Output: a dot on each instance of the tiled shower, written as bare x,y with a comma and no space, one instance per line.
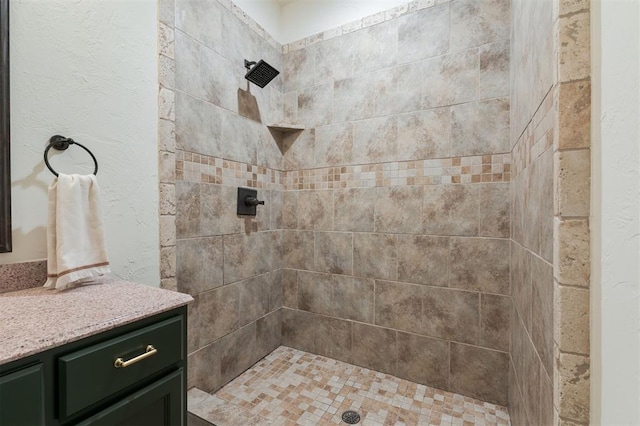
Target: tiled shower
406,161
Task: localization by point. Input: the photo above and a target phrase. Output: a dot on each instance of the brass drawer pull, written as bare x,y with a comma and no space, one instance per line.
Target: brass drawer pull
119,363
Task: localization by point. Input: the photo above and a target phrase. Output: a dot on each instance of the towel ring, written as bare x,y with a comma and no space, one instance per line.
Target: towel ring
61,143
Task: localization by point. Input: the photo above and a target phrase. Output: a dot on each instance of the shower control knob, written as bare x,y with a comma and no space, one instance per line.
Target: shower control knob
252,201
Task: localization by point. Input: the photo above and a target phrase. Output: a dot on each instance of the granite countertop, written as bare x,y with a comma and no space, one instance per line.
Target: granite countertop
37,319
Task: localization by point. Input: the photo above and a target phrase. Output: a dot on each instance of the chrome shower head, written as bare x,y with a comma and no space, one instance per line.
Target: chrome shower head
261,73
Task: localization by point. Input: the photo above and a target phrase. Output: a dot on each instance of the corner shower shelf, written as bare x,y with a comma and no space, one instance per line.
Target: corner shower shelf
286,127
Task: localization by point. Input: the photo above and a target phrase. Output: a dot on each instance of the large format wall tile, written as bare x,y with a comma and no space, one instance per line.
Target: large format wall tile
375,256
298,249
423,260
495,318
470,132
199,264
353,209
480,264
481,373
334,145
474,23
451,79
375,47
424,134
399,306
494,70
334,252
374,348
398,209
315,210
375,140
451,210
421,360
451,314
423,34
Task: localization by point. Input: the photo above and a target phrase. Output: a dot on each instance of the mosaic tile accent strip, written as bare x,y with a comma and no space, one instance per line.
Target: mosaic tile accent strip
198,168
475,169
292,387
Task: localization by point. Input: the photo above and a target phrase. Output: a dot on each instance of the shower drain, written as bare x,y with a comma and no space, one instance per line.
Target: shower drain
350,417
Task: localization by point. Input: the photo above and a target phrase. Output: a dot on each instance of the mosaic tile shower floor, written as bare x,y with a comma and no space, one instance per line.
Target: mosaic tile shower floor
292,387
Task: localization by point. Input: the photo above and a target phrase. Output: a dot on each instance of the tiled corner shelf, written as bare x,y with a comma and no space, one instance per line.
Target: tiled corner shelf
286,127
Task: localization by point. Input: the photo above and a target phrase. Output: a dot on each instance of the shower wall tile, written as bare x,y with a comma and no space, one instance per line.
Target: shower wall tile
399,306
480,264
423,260
276,291
198,125
470,133
423,34
238,352
375,256
290,288
315,105
354,298
451,210
268,333
315,292
421,360
475,23
333,59
398,209
333,338
542,316
199,264
315,210
495,318
298,329
374,348
218,210
289,209
219,311
334,252
353,99
494,70
375,47
334,145
375,140
521,285
298,149
207,359
396,89
424,134
188,215
298,249
451,79
353,209
299,69
254,295
248,255
495,210
481,373
451,314
201,20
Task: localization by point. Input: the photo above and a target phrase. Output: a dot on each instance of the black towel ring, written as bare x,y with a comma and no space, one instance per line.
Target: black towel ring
61,143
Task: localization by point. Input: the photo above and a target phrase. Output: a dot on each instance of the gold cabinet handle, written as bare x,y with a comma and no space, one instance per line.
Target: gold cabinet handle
150,351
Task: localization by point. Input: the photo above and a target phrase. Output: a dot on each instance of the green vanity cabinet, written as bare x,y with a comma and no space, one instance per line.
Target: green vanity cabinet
22,397
131,375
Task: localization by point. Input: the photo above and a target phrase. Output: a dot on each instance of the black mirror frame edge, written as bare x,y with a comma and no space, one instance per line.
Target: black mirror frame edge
5,134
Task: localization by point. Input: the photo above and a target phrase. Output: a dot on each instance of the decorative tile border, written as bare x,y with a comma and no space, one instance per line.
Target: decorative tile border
198,168
367,21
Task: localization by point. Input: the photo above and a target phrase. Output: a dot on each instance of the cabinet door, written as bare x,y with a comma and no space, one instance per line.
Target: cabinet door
160,404
22,397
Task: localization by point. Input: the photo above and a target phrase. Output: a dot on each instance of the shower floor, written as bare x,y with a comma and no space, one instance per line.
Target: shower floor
292,387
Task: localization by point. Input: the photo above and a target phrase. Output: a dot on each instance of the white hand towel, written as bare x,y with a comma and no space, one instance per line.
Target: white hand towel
75,231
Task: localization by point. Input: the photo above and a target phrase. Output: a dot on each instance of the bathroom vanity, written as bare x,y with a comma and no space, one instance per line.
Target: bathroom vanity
110,353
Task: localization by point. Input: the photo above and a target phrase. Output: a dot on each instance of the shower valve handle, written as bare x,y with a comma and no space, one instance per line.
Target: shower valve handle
252,201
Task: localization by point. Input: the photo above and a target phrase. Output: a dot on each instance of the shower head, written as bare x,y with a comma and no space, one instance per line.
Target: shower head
261,73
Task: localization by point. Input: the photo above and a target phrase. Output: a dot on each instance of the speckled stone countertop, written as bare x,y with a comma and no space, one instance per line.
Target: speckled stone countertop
37,319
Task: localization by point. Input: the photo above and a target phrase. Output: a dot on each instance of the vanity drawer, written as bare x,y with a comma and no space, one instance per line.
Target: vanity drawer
91,375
